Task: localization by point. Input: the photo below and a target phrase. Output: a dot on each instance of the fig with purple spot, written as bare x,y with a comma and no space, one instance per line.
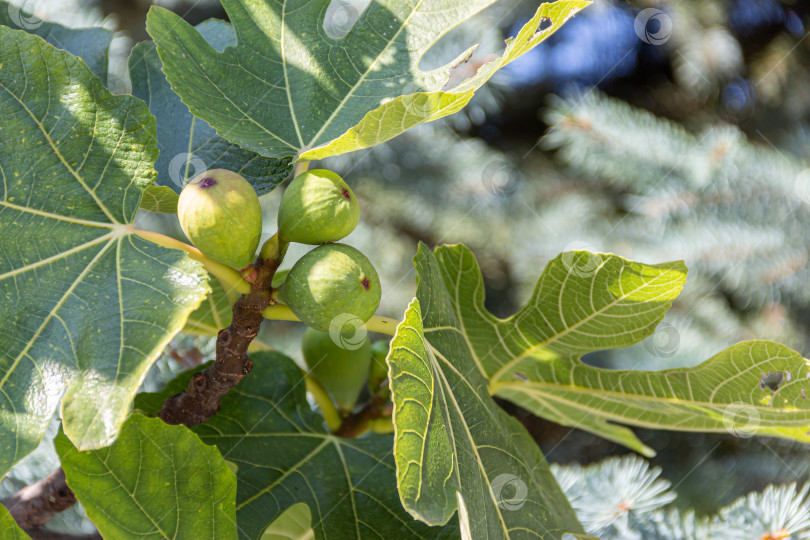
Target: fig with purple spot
220,213
316,208
331,286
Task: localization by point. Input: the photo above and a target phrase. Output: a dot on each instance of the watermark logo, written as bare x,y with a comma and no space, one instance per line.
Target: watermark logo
348,331
340,18
510,491
185,166
664,342
417,101
653,26
28,16
581,259
741,420
501,178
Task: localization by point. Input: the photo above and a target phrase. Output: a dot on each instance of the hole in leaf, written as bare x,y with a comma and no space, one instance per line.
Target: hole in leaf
545,24
771,380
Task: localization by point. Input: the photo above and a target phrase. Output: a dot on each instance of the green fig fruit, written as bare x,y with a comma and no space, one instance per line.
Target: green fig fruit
331,287
220,213
378,370
338,362
317,207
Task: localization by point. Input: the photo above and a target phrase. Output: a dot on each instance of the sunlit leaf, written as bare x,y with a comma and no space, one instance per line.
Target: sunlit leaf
287,88
85,305
155,482
188,145
455,448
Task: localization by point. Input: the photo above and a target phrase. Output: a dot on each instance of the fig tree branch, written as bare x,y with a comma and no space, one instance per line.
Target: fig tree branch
357,423
203,397
34,505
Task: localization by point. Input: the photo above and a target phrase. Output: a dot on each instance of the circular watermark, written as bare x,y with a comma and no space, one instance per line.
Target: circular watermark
500,178
653,26
741,420
801,186
418,101
118,85
29,15
181,167
510,491
340,18
664,341
581,259
348,331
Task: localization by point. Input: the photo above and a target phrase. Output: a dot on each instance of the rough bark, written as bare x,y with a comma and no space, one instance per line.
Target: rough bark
33,505
203,397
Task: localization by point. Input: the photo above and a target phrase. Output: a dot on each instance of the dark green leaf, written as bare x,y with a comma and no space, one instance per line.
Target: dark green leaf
284,456
155,482
188,145
85,305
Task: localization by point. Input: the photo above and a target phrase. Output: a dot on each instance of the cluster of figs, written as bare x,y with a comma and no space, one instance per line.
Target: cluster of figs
219,212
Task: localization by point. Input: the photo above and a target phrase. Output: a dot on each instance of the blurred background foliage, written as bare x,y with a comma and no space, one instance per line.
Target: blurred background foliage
657,130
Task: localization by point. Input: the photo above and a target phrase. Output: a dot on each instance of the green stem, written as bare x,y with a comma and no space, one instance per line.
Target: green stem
279,312
300,167
382,425
325,403
274,249
377,323
230,278
382,325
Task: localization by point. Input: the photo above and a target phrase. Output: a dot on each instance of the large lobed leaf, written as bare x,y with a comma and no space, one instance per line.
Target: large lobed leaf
288,89
155,482
284,456
85,306
455,449
588,302
188,145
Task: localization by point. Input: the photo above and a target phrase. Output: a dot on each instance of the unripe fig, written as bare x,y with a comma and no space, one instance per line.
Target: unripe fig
317,207
331,286
340,365
220,213
378,370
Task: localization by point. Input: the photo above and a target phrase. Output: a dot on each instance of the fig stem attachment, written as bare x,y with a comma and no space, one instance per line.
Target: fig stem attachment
324,402
377,323
228,277
300,167
355,424
274,249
